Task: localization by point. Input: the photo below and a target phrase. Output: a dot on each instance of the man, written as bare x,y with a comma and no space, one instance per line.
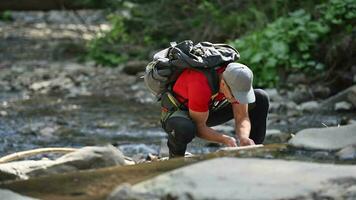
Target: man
236,100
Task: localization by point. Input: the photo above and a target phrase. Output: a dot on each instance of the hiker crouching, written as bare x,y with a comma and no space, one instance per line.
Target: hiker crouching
198,108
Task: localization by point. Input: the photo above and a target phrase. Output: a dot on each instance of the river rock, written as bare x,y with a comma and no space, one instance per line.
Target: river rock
10,195
331,138
84,158
347,153
343,105
236,178
346,95
274,95
351,96
309,106
276,136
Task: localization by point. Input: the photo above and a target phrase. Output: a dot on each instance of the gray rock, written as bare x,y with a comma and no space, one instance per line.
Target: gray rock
351,96
124,192
93,157
343,105
274,95
84,158
347,153
320,91
299,94
345,95
276,136
234,178
21,169
309,106
10,195
332,138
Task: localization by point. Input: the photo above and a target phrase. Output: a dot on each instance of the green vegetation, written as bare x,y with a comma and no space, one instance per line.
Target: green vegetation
275,39
288,44
150,25
5,16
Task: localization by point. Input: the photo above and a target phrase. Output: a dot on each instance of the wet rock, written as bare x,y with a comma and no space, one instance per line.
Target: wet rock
320,155
299,94
309,106
351,96
321,92
347,153
93,157
274,95
276,136
124,192
331,138
10,195
21,169
329,103
84,158
3,113
207,180
141,150
343,105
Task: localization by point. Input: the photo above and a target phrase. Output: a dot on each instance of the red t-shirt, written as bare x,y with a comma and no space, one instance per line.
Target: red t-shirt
193,86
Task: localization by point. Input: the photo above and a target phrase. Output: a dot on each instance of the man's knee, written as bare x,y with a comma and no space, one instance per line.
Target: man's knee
182,129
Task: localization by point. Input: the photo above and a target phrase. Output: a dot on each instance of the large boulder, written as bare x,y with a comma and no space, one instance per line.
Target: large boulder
236,178
331,138
84,158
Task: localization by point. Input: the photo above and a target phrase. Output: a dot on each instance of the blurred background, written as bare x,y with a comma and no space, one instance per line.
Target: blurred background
70,69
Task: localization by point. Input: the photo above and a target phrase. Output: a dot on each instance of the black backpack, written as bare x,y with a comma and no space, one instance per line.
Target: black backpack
169,63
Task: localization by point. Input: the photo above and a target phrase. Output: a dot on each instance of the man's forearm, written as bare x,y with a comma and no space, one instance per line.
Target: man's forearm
210,134
243,128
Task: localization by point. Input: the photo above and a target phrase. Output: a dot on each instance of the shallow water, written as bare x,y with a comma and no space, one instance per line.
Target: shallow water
44,121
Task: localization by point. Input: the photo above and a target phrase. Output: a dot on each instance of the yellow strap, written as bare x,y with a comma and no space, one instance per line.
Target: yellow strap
172,99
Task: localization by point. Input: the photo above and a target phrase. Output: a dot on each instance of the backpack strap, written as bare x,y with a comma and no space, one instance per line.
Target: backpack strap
213,79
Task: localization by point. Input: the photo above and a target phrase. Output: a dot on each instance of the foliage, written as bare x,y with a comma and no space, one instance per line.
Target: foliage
150,25
5,16
287,44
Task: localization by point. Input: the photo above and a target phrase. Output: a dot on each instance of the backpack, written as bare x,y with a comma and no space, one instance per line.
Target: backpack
168,64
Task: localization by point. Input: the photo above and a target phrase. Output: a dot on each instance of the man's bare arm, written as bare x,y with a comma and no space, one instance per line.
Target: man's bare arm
205,132
242,124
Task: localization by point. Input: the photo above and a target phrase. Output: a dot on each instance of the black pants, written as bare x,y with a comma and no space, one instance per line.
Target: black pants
181,129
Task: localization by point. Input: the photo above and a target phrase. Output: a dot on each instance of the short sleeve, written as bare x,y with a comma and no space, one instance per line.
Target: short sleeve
199,92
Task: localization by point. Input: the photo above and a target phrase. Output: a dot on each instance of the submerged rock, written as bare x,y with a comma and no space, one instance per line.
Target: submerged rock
236,178
331,138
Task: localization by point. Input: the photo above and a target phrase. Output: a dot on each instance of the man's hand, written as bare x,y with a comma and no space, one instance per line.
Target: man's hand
245,141
230,141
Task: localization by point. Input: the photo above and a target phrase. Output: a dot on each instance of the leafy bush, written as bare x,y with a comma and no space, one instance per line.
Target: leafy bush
5,16
151,25
286,45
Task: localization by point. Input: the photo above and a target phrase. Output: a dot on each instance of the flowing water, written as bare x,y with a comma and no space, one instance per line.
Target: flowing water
52,121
